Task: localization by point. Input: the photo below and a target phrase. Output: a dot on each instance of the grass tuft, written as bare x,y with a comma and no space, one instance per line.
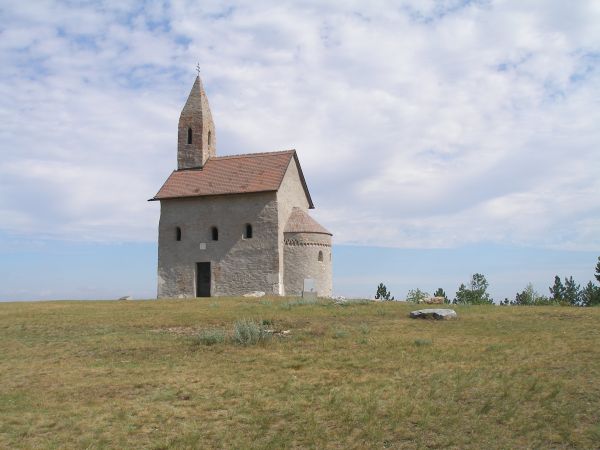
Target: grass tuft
209,337
249,332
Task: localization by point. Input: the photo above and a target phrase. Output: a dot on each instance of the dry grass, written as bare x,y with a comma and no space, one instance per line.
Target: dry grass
137,375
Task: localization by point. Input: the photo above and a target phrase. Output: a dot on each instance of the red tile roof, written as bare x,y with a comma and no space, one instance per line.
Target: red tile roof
237,174
301,222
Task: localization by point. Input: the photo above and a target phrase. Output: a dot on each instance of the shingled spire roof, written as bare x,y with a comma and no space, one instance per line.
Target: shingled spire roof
301,222
197,102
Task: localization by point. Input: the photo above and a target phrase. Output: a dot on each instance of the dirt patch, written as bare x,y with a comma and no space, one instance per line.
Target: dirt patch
179,331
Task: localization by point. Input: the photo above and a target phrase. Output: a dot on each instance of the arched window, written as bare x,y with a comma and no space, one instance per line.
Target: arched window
209,138
189,135
248,231
178,233
215,233
321,255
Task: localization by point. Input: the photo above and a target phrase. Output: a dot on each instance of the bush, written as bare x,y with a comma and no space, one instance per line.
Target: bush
210,337
249,332
300,301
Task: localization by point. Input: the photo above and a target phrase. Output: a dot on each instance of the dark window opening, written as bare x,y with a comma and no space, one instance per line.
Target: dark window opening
209,138
178,233
248,233
189,135
320,255
215,233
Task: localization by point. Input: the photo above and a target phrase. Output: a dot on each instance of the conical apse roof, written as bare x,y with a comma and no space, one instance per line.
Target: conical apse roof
301,222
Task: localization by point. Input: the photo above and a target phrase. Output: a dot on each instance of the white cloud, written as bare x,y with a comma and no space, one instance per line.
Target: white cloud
420,124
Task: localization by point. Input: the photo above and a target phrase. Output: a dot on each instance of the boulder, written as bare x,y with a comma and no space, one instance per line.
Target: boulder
255,294
434,300
127,297
436,314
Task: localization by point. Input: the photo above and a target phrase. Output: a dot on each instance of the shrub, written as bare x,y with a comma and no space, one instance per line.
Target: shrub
300,301
249,332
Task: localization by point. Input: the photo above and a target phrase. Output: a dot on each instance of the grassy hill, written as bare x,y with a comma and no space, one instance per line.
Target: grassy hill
363,375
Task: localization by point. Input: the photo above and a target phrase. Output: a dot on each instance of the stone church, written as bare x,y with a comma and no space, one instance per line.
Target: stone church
231,225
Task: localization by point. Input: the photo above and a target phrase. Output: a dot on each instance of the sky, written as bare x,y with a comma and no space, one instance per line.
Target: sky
438,138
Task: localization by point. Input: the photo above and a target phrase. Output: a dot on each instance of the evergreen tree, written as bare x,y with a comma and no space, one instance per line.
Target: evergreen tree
557,291
383,293
572,292
590,295
598,270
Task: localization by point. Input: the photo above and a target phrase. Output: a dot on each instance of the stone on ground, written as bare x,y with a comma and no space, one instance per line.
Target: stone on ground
436,314
255,294
434,300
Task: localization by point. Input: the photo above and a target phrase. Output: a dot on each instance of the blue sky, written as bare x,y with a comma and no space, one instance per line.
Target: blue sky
438,138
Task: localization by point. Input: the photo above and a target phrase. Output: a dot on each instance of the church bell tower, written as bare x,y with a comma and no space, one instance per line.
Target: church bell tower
196,140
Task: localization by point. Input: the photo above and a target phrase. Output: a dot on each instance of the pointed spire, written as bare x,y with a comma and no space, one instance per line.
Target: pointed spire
196,138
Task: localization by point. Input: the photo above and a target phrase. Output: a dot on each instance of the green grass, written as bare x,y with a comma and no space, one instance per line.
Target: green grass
169,374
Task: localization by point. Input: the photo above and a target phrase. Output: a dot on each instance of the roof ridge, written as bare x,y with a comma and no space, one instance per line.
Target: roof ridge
246,155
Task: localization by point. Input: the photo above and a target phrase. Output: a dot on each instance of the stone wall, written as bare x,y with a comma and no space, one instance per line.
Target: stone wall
301,261
238,265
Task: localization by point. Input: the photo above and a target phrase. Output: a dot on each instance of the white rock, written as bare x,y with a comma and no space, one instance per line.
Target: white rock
434,300
255,294
127,297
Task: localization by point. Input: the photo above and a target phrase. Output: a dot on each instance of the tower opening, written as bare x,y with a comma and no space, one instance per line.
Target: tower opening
248,231
209,138
177,233
215,233
189,140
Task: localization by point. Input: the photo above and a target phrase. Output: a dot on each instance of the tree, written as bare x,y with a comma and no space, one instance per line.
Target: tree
383,293
598,270
557,291
440,293
529,296
416,296
590,295
572,292
476,293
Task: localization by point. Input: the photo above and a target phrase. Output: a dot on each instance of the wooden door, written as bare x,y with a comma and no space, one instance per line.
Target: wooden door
203,279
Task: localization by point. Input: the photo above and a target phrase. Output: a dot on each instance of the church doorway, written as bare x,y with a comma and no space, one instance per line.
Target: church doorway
203,279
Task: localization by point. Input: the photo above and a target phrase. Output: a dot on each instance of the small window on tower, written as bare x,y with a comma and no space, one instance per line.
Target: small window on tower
248,231
209,138
189,135
320,256
178,234
215,233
